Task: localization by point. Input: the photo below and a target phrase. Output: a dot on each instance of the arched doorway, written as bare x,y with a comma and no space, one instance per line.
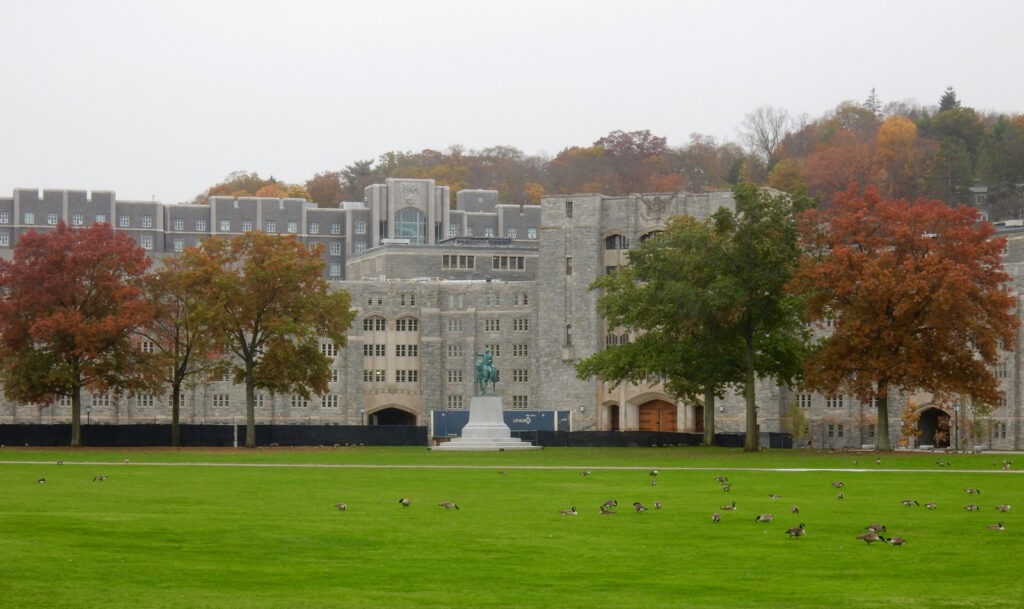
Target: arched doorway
391,416
698,419
613,418
934,428
658,415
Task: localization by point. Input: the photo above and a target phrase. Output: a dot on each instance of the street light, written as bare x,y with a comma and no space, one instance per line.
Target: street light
88,414
362,414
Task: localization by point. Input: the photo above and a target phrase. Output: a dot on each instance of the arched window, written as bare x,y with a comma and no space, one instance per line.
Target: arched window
616,242
411,224
374,324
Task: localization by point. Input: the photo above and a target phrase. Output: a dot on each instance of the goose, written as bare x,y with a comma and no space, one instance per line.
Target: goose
997,526
722,479
910,502
796,531
41,481
639,507
403,502
841,495
731,506
653,482
341,506
870,537
610,504
875,528
764,518
448,505
657,505
897,541
569,512
606,511
972,491
716,517
774,496
585,472
931,505
654,472
794,509
878,461
1003,508
972,507
727,487
838,484
99,478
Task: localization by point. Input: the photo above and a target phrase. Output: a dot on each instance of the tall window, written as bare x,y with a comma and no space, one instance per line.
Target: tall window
178,224
246,226
270,226
200,224
293,227
804,400
455,402
411,224
314,228
5,217
147,221
225,226
30,217
77,219
51,219
360,227
124,221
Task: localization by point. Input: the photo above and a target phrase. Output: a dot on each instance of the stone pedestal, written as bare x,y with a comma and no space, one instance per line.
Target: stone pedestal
486,429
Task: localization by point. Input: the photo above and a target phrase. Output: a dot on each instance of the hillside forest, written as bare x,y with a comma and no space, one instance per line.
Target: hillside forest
948,151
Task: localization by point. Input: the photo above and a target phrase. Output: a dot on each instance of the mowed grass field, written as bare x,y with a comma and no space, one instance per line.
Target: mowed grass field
259,529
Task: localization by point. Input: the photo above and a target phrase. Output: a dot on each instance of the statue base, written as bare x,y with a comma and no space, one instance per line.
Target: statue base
486,429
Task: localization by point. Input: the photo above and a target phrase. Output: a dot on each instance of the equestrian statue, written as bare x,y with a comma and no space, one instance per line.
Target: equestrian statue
486,373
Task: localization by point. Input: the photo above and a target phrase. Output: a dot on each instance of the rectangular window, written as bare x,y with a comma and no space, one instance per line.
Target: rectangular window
488,231
374,324
314,228
522,299
373,350
360,227
492,325
336,228
374,376
329,349
258,400
453,230
521,324
299,401
329,401
101,218
531,233
335,248
51,219
456,324
407,324
144,401
30,217
455,402
179,245
407,350
5,217
124,221
360,247
1002,370
375,299
147,221
407,376
293,227
225,226
568,265
5,239
335,375
201,224
270,226
511,232
455,351
492,299
407,299
494,348
77,219
520,401
334,270
834,402
455,375
146,242
246,226
458,261
221,400
568,209
178,224
100,400
521,350
804,400
520,376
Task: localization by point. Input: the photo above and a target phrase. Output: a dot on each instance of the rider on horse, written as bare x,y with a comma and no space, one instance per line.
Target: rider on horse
486,372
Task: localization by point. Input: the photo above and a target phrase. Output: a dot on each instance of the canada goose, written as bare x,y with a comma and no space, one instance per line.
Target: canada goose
501,472
654,472
99,478
774,496
657,505
606,511
796,531
910,502
722,479
871,538
794,509
1003,508
342,506
60,461
731,506
997,526
878,461
653,482
931,505
448,505
972,491
41,481
403,502
841,495
639,507
569,512
897,541
838,484
716,517
875,528
972,507
585,472
727,487
610,504
764,518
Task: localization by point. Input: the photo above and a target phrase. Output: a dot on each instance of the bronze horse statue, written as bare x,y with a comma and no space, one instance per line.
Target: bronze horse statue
486,373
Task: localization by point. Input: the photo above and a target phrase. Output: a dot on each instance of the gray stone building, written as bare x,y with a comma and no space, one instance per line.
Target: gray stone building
434,284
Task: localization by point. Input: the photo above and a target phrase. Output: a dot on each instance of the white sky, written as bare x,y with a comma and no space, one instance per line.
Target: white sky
164,99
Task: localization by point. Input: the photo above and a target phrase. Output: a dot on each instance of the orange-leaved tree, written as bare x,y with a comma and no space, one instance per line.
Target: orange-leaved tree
916,295
71,303
267,304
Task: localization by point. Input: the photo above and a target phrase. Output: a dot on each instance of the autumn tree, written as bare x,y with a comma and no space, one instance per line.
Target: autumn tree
763,129
325,189
706,304
184,349
71,303
267,304
916,298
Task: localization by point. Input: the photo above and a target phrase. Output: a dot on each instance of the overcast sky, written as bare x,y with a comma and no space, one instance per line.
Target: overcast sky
160,100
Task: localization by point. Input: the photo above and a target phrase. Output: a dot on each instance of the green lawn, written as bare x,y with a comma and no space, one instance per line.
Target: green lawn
163,531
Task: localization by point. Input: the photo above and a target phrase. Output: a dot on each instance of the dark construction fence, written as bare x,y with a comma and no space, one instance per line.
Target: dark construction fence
342,435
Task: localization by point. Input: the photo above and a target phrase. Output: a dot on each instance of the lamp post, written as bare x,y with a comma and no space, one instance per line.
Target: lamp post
88,414
362,416
956,423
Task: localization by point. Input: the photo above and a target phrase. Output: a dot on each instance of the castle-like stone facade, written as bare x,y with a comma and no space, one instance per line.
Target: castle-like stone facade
434,284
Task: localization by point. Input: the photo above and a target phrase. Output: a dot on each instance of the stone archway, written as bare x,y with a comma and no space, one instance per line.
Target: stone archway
391,416
658,415
934,428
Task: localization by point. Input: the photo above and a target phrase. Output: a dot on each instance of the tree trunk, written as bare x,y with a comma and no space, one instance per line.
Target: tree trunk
882,434
709,417
250,409
750,443
76,417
